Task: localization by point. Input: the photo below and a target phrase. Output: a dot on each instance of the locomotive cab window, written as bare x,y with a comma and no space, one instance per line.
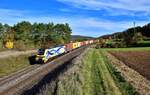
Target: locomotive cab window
41,51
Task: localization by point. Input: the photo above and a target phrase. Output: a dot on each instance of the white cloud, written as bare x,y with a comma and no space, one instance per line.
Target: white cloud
9,12
89,26
80,25
113,6
103,25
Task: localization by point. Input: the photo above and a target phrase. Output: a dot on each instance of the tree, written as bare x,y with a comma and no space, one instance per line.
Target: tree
1,30
6,28
67,32
22,30
50,30
63,32
38,34
6,33
146,30
137,38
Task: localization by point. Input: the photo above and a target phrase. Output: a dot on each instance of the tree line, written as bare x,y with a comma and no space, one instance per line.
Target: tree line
25,34
130,37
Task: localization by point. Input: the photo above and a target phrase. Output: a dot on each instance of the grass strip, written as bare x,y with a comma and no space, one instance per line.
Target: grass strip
125,87
110,86
126,49
91,75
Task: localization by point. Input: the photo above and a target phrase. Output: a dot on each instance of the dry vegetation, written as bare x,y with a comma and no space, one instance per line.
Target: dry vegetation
140,83
91,74
12,64
138,60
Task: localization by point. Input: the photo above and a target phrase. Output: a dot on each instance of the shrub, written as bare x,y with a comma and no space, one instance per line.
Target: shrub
19,45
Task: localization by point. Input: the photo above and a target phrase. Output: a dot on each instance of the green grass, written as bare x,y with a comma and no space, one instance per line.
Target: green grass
92,75
146,42
125,87
143,44
127,49
101,78
13,64
109,84
110,42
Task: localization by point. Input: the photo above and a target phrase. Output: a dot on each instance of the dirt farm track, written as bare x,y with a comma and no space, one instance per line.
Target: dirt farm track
137,60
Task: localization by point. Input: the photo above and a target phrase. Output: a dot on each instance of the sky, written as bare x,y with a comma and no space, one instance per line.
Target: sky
85,17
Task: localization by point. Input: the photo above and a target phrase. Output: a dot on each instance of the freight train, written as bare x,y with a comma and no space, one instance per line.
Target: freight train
43,55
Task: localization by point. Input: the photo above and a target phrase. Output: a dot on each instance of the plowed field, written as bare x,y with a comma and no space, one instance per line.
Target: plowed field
137,60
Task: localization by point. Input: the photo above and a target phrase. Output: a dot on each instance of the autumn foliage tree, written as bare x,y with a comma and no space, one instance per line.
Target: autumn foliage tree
37,34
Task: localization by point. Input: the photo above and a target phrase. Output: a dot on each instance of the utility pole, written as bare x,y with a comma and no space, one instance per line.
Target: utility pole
134,26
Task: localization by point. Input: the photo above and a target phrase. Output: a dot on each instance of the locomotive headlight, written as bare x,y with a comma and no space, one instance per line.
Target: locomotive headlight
43,58
39,57
36,58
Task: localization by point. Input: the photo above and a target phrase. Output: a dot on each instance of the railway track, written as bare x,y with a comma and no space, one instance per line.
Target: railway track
18,82
15,75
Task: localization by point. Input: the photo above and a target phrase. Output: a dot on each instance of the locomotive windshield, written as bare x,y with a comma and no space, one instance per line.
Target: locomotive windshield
41,51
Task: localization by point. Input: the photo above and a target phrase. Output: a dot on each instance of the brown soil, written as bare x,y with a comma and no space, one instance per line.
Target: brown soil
137,60
139,82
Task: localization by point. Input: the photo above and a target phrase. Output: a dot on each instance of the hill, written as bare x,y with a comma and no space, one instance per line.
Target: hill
80,37
144,30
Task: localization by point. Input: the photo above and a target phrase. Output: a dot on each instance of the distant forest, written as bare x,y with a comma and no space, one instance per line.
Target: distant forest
27,35
132,37
144,31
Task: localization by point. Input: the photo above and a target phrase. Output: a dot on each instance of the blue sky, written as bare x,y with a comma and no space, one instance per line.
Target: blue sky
86,17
